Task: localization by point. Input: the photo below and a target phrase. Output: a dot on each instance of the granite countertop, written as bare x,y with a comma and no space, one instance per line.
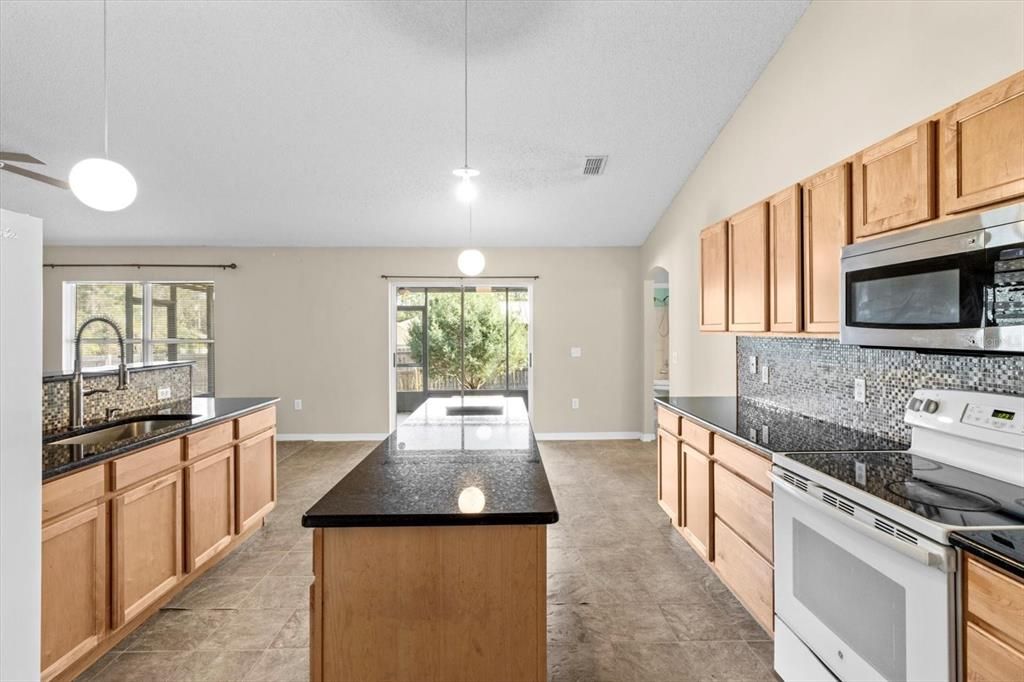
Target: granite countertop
742,420
60,375
442,470
192,414
1004,548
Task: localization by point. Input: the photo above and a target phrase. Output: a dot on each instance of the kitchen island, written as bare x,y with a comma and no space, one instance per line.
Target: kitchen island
430,555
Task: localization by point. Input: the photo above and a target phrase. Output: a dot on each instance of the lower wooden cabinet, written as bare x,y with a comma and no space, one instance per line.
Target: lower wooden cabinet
989,659
670,476
745,509
210,514
256,476
74,588
994,623
751,578
147,545
697,498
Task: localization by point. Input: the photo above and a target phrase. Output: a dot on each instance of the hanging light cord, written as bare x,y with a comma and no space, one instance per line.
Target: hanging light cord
465,82
106,98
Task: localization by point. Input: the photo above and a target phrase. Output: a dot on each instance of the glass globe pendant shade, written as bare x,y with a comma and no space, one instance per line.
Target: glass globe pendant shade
471,262
102,184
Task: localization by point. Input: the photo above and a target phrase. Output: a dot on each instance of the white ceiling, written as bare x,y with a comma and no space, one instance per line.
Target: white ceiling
338,123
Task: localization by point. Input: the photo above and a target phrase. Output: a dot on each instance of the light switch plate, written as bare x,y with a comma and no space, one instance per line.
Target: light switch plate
764,374
575,352
859,390
575,403
753,364
163,393
298,404
764,433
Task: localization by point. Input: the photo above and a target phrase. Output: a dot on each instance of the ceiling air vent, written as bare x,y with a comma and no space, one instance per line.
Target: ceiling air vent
594,165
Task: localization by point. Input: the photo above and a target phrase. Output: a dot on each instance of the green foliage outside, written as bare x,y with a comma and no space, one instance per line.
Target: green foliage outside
485,339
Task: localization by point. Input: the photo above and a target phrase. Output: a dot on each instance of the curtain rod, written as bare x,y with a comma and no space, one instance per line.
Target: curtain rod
222,266
460,277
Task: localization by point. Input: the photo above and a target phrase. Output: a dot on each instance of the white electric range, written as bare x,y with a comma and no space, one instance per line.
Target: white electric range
865,584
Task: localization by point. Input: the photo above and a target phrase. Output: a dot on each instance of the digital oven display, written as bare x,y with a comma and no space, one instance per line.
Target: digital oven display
1003,414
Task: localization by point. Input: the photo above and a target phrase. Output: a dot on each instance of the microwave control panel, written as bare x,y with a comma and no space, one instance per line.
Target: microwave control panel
995,418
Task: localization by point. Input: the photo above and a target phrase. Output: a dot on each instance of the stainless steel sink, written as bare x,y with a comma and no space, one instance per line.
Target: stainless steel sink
131,429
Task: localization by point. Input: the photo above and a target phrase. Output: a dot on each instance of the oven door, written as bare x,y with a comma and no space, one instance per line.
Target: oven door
866,607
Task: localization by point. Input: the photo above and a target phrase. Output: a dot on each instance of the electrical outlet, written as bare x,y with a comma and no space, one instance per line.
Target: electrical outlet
163,393
752,432
575,352
575,403
298,404
753,364
859,390
764,374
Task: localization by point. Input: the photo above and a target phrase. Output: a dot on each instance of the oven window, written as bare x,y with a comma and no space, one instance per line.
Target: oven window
862,606
927,298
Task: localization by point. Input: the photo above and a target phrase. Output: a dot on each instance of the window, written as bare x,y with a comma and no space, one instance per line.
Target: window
161,321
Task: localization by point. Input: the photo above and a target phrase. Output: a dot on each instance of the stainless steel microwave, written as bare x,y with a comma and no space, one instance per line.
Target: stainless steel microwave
957,286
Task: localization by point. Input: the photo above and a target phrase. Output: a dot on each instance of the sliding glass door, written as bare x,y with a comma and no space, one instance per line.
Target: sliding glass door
471,340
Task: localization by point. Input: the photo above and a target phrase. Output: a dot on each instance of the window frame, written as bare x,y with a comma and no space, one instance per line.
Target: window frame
69,317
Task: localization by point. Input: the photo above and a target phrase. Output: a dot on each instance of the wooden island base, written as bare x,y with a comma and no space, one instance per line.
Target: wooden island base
429,603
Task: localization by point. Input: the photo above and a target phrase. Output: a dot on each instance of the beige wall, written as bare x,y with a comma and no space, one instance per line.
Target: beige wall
312,324
848,75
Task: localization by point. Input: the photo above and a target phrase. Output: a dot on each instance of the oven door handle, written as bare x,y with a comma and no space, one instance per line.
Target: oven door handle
922,555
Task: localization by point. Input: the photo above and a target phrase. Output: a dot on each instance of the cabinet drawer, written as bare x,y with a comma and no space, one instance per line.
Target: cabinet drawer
745,509
697,436
256,422
749,465
997,600
670,421
77,490
743,570
150,462
209,440
989,660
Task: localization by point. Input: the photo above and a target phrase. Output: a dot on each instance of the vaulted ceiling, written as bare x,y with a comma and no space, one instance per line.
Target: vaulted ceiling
339,123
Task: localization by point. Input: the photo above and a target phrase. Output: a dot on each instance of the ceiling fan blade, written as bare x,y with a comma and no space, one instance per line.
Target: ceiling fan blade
35,176
18,156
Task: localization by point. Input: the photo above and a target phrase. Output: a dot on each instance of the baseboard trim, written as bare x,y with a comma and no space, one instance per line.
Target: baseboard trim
590,435
333,436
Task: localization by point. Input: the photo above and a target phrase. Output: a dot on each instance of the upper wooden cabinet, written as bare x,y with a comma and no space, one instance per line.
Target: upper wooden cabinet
983,147
714,278
747,269
826,230
785,302
894,182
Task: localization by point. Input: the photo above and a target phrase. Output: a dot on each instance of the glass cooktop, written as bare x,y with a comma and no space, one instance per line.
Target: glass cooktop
938,492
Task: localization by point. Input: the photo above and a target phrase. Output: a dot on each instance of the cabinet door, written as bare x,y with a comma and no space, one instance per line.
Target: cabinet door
714,283
670,476
697,499
748,269
826,199
148,545
983,147
210,507
256,479
989,659
893,182
785,309
74,587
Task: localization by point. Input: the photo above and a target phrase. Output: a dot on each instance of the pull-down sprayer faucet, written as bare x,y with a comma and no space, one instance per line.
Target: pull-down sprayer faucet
78,392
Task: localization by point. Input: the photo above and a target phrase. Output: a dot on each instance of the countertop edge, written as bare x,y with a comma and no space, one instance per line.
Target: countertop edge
988,554
115,453
728,435
106,372
420,521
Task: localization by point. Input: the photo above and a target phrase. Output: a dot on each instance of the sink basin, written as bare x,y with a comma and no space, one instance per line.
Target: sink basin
131,429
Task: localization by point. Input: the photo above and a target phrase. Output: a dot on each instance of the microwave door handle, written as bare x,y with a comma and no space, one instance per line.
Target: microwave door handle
917,553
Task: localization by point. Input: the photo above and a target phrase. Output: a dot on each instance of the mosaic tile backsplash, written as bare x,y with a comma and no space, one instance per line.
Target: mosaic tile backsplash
140,394
816,377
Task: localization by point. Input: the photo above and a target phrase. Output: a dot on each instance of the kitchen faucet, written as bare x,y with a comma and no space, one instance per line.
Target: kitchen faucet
78,393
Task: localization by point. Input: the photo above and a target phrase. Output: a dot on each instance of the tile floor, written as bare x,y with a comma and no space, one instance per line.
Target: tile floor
628,600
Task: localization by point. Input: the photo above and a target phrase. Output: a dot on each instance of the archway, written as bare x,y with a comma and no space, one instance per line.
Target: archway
657,348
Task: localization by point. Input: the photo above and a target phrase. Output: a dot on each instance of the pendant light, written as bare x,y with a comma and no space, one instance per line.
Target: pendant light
100,183
471,262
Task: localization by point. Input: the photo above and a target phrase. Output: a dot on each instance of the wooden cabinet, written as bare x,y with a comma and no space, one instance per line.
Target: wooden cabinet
714,278
746,572
74,587
982,140
826,230
147,545
745,509
670,421
697,497
894,182
256,479
670,472
994,623
989,659
210,511
747,269
785,303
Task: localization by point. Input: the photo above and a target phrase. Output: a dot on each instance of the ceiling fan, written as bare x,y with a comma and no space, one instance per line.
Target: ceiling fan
6,157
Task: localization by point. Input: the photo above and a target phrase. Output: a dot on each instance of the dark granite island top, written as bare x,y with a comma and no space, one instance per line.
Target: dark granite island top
438,469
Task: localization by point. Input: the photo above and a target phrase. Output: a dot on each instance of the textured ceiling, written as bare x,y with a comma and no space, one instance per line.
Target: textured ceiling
338,123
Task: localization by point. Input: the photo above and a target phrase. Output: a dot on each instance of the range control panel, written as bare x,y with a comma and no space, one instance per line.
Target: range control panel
996,418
